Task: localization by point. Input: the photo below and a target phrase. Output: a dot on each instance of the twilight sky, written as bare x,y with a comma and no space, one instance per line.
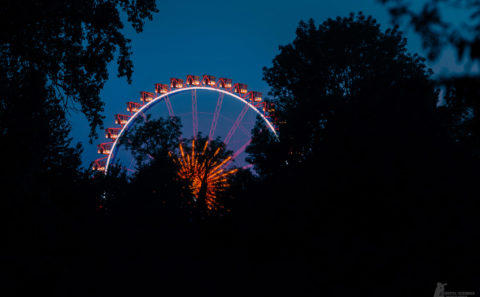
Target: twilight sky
232,39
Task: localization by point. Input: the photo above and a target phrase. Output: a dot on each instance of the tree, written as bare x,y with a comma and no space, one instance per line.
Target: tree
178,195
153,139
363,164
53,59
347,73
155,177
265,152
438,32
70,44
187,172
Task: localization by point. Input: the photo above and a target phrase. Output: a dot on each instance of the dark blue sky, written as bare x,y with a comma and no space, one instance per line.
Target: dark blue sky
232,39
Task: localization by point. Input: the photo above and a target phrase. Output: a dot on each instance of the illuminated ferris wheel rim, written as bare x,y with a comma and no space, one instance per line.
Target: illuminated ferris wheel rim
175,91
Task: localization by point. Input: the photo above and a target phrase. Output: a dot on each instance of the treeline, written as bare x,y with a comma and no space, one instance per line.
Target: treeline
371,187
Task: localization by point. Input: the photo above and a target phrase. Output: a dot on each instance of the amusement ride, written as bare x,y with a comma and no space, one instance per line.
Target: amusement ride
205,105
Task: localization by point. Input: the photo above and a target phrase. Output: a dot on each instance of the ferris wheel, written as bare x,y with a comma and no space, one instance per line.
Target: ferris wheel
205,105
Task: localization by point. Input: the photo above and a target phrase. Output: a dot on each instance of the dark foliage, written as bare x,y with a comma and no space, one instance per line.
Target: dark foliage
437,32
155,197
433,23
153,139
68,43
366,186
369,189
53,59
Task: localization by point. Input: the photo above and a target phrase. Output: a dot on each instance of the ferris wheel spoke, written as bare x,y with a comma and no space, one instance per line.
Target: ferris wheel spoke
131,163
216,115
144,117
129,170
194,113
238,152
235,125
247,166
169,106
241,149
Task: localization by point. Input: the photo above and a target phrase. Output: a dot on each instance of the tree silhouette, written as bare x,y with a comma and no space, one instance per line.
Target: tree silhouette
363,163
190,171
155,177
69,44
53,59
364,81
153,139
438,32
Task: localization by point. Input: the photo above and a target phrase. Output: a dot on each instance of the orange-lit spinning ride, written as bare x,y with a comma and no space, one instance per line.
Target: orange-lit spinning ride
206,173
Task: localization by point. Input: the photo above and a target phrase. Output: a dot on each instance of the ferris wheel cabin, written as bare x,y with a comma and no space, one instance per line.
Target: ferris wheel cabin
105,148
146,96
112,133
193,80
176,83
121,119
208,80
255,96
161,88
225,83
268,107
100,164
240,88
133,107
